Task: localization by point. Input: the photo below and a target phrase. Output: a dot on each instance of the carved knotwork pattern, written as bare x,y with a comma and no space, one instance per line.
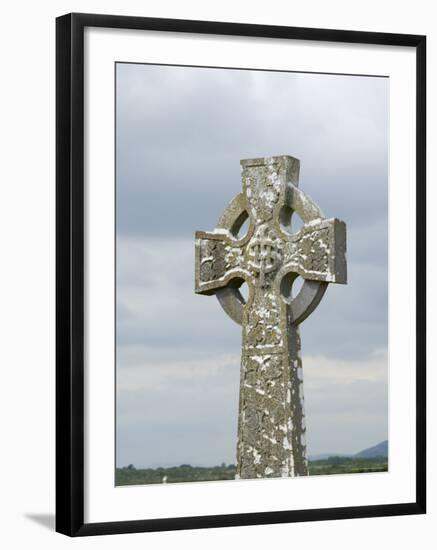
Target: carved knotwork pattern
265,426
310,252
313,249
264,251
263,188
234,257
212,265
263,327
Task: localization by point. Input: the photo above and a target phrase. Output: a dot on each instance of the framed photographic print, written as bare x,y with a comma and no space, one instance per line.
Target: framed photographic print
240,274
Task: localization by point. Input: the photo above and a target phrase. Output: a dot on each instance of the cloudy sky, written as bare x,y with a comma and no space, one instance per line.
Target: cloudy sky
180,134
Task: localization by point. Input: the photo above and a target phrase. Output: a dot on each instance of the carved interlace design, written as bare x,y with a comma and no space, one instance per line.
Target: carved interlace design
262,330
310,251
271,421
264,254
234,257
263,189
213,264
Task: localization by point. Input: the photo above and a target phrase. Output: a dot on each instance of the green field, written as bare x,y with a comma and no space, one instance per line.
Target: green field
130,475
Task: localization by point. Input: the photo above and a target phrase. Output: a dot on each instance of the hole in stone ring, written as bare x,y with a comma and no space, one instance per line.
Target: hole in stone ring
290,220
297,286
241,287
296,222
244,290
240,227
291,285
242,232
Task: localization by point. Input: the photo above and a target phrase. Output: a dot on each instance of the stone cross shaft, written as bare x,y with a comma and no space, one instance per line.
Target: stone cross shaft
271,425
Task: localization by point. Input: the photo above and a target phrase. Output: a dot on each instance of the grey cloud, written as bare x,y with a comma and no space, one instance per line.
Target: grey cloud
189,128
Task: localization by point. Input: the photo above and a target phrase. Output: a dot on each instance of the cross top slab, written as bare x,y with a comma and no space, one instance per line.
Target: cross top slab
271,433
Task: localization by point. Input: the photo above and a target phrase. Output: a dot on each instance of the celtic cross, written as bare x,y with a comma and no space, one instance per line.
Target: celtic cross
271,424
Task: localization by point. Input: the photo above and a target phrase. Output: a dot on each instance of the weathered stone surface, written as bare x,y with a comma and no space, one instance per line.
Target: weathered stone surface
271,429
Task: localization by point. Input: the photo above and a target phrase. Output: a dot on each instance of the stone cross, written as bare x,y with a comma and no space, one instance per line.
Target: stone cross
271,424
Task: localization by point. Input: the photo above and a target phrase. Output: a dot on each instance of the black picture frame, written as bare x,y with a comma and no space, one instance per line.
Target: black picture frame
70,273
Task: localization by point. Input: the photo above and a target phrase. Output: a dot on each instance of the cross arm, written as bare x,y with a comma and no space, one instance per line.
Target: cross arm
318,251
219,261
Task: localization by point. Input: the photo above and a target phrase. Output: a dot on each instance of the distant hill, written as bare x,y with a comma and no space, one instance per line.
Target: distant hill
378,450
